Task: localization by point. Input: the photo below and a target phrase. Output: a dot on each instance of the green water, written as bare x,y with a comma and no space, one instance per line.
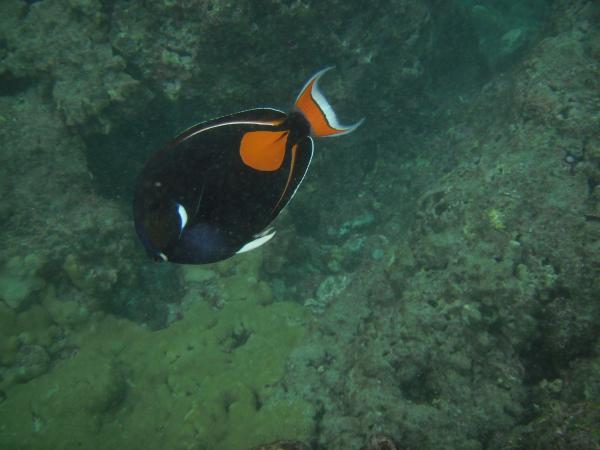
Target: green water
433,284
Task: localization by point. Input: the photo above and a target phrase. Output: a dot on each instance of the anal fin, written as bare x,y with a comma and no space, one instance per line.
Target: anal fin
262,238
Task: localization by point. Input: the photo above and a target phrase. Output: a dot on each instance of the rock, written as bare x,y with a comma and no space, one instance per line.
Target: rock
282,445
381,442
66,312
34,361
197,274
19,280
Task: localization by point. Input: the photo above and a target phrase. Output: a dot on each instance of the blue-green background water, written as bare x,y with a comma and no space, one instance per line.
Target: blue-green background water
434,284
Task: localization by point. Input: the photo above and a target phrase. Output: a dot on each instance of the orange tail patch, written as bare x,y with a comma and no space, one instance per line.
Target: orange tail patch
263,150
317,110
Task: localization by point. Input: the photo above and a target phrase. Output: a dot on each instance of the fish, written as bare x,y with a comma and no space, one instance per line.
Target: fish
214,190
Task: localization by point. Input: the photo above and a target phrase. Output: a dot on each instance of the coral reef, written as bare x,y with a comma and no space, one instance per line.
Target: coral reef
20,280
505,27
437,342
82,71
210,380
282,445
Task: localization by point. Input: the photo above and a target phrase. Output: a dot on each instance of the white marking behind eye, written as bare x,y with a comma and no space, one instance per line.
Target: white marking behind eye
182,215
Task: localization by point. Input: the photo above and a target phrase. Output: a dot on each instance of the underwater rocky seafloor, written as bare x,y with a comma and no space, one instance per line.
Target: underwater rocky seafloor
435,284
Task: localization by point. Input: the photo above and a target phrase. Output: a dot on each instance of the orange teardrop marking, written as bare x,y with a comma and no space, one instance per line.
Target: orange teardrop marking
263,150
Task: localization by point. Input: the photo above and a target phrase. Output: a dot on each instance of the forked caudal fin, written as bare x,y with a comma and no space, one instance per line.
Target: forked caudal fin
317,110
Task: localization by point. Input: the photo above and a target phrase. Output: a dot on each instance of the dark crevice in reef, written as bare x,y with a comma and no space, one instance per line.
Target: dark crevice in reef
566,332
11,85
136,140
318,430
538,363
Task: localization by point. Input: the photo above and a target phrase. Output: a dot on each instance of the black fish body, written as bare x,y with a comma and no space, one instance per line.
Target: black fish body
214,190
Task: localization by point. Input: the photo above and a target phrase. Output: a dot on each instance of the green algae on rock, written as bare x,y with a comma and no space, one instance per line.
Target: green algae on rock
19,280
282,445
194,383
